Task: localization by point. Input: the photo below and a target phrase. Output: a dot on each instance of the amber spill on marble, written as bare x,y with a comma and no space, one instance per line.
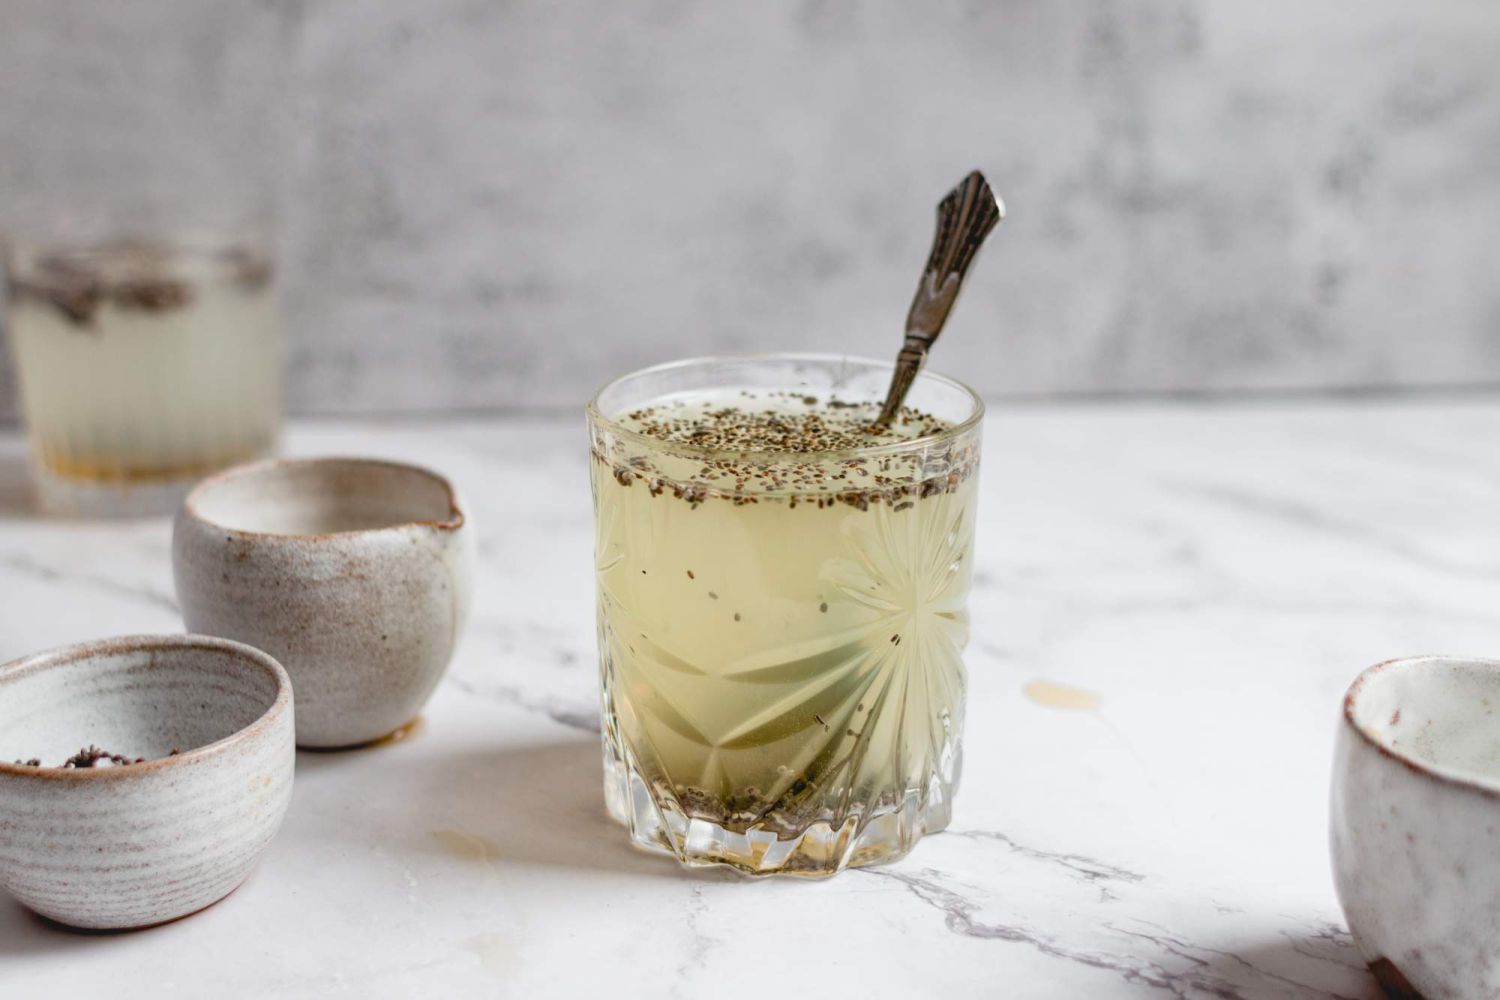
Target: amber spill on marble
496,953
468,846
1063,697
404,734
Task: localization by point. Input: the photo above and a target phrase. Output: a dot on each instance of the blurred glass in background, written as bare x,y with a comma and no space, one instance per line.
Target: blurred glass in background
138,232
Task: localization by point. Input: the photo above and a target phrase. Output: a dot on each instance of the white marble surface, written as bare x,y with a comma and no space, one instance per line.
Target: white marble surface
1215,575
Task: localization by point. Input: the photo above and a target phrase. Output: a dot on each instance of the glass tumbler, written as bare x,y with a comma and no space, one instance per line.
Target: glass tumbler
781,633
137,229
142,367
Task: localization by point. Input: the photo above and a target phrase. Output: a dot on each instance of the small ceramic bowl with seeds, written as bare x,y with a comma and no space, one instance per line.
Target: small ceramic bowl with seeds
141,777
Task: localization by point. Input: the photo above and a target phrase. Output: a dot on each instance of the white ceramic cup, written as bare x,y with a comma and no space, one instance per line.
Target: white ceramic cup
355,574
1415,826
135,845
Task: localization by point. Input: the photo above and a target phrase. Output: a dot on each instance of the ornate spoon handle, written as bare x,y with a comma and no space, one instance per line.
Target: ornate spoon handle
964,218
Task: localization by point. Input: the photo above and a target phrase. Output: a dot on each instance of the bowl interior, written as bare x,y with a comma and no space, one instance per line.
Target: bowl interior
132,700
1437,712
323,496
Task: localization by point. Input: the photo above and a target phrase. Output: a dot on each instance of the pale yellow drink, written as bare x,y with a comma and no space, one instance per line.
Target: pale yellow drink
781,623
142,364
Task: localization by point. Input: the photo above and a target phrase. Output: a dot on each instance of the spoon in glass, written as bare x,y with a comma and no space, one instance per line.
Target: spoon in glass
964,218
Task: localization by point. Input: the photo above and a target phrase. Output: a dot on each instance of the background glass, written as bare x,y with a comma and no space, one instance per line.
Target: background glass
137,229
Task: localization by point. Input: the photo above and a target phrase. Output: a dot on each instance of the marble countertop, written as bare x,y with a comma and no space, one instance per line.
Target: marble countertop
1169,603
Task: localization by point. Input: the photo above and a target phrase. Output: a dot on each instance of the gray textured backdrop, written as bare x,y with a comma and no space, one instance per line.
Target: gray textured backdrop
500,204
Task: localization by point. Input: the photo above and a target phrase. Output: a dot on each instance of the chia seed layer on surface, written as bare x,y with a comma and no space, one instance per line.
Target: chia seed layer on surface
757,452
797,425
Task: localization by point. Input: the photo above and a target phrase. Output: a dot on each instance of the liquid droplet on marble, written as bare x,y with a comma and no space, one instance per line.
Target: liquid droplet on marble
401,734
496,953
1064,697
468,846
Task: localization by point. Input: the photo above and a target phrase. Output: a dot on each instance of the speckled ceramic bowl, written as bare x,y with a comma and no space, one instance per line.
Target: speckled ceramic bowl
355,574
135,845
1416,824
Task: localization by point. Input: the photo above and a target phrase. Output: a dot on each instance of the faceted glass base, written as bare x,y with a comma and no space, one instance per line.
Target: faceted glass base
817,851
66,497
153,496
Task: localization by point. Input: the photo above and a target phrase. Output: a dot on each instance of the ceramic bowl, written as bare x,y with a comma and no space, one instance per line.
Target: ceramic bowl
355,574
1416,824
131,846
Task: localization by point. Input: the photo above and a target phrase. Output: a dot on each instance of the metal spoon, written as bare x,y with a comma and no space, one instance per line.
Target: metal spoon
964,218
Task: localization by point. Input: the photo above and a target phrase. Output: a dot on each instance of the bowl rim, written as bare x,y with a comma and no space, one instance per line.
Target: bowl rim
455,520
611,424
61,655
1488,787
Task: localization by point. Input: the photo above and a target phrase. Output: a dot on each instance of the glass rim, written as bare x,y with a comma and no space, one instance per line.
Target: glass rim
598,418
183,243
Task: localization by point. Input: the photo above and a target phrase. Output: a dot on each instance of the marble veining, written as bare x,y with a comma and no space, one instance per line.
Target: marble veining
1214,575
